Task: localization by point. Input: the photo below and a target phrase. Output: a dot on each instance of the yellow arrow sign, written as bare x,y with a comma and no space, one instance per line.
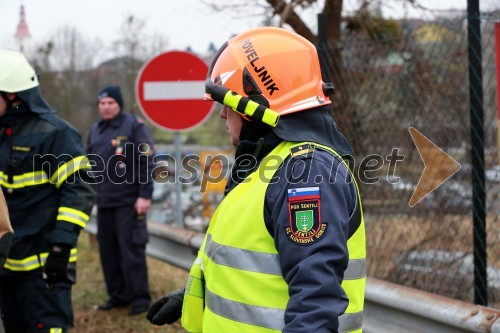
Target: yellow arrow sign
438,166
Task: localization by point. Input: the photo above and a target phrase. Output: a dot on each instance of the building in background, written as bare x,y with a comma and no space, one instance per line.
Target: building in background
22,36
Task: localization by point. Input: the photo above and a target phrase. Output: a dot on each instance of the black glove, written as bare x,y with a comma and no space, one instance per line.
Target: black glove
5,241
56,266
167,309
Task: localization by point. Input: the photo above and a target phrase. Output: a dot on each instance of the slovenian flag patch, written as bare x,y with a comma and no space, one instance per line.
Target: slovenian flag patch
304,212
304,193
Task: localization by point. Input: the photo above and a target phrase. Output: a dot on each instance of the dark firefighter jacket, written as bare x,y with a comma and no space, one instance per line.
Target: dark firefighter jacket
43,176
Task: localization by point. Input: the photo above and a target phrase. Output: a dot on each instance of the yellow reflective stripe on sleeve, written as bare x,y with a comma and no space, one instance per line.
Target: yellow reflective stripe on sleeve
56,330
73,216
33,262
69,168
26,264
24,180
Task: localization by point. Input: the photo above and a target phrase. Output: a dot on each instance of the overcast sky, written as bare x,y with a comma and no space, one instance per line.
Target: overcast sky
183,22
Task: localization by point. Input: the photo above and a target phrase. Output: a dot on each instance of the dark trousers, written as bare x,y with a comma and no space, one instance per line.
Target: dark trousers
122,240
27,305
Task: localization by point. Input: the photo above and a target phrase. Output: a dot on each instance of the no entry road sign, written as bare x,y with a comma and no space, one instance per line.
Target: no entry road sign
169,89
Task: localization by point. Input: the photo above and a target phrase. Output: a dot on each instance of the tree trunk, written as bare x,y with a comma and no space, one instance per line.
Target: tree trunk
333,11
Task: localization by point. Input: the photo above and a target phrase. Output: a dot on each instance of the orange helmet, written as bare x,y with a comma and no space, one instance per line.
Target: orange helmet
267,72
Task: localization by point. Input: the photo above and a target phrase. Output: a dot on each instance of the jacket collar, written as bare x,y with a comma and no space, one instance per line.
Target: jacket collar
314,125
115,122
248,156
16,115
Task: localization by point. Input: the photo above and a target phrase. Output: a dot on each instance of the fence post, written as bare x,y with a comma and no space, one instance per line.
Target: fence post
322,39
477,151
322,46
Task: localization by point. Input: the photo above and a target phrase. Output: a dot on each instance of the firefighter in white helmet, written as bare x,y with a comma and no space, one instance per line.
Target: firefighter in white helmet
48,192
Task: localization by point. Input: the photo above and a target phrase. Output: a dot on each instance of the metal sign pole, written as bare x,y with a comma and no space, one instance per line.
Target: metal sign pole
178,186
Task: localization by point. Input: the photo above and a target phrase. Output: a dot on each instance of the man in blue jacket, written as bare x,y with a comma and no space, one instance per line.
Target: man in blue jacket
120,146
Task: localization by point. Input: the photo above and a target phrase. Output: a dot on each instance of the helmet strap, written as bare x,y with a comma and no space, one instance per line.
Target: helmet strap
253,130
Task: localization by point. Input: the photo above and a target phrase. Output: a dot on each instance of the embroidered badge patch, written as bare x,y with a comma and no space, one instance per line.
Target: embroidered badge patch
301,150
305,215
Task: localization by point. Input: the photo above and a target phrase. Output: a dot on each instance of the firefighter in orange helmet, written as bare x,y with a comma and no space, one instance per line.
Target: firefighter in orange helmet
285,249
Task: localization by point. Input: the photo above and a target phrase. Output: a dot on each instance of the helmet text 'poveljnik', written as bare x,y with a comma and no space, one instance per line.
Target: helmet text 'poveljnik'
261,71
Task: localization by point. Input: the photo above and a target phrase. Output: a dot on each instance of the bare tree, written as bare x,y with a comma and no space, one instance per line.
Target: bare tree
131,50
63,63
296,14
72,51
300,15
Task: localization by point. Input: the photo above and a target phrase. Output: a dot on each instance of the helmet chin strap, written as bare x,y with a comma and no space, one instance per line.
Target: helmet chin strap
252,130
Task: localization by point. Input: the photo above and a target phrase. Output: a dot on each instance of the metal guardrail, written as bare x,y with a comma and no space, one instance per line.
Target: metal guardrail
389,308
393,308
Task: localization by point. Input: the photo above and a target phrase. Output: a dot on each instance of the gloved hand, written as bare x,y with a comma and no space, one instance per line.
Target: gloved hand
56,266
5,241
167,309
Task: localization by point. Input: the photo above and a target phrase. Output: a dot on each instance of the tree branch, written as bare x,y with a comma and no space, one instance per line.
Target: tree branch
290,17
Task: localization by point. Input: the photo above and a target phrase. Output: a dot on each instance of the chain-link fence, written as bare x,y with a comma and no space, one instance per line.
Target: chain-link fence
420,79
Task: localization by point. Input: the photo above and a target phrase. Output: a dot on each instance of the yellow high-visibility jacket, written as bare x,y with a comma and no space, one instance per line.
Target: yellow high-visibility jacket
236,284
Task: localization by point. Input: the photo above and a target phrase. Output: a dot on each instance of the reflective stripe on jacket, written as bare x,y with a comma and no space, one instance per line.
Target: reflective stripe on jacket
33,262
43,175
238,271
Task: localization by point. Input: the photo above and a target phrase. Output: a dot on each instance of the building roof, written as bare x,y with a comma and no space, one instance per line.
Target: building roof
22,26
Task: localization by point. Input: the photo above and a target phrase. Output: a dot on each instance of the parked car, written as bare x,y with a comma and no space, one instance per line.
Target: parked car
493,174
448,273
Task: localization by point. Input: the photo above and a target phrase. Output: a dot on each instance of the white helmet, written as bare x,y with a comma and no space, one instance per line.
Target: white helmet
16,74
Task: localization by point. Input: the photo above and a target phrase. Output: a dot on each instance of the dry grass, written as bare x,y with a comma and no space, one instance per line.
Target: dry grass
90,291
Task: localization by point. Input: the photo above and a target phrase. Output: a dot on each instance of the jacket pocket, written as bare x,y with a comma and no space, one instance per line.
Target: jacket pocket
140,232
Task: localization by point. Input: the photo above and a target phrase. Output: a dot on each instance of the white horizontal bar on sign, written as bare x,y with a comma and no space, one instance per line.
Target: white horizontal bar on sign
173,90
